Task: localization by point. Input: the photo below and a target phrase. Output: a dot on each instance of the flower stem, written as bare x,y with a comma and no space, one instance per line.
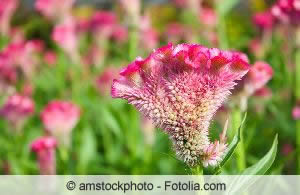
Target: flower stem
297,95
198,171
222,32
240,150
298,145
133,42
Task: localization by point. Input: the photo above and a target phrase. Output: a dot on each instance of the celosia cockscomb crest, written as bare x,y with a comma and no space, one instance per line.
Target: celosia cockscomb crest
44,147
180,88
59,119
17,108
287,11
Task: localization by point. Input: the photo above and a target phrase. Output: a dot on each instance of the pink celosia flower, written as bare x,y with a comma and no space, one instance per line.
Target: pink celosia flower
104,81
27,89
103,23
83,25
44,147
261,96
259,74
8,74
180,88
286,149
175,32
208,17
59,119
180,3
132,8
264,20
54,9
287,11
17,109
16,34
64,34
120,34
95,55
296,113
50,57
36,45
257,48
263,92
7,9
22,54
149,39
7,70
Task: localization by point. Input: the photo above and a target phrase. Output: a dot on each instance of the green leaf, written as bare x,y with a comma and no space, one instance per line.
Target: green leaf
241,183
87,150
262,166
226,6
230,150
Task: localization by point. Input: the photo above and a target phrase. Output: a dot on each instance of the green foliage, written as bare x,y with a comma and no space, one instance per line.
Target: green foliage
259,168
230,150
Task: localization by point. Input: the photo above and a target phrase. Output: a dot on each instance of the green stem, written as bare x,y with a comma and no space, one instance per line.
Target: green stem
240,150
222,33
198,171
297,75
297,95
133,42
298,145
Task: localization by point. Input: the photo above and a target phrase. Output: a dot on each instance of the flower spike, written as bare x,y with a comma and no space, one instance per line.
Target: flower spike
180,88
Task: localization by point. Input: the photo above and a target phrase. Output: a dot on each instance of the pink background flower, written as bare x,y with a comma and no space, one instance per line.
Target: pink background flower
44,147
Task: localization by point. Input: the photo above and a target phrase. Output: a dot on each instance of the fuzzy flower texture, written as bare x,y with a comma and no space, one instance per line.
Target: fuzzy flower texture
180,88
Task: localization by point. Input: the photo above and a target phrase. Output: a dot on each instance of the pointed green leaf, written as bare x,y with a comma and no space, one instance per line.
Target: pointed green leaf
230,150
262,166
87,150
226,6
241,183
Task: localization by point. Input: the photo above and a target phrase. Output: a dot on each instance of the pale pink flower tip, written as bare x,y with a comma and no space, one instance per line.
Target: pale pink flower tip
180,3
105,79
286,149
54,9
296,113
17,107
263,92
259,74
64,34
264,20
120,34
8,72
104,22
43,143
174,29
50,57
180,88
208,17
60,116
7,9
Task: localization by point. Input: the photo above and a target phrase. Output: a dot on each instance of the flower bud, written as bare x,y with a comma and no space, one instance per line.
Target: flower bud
59,119
44,148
